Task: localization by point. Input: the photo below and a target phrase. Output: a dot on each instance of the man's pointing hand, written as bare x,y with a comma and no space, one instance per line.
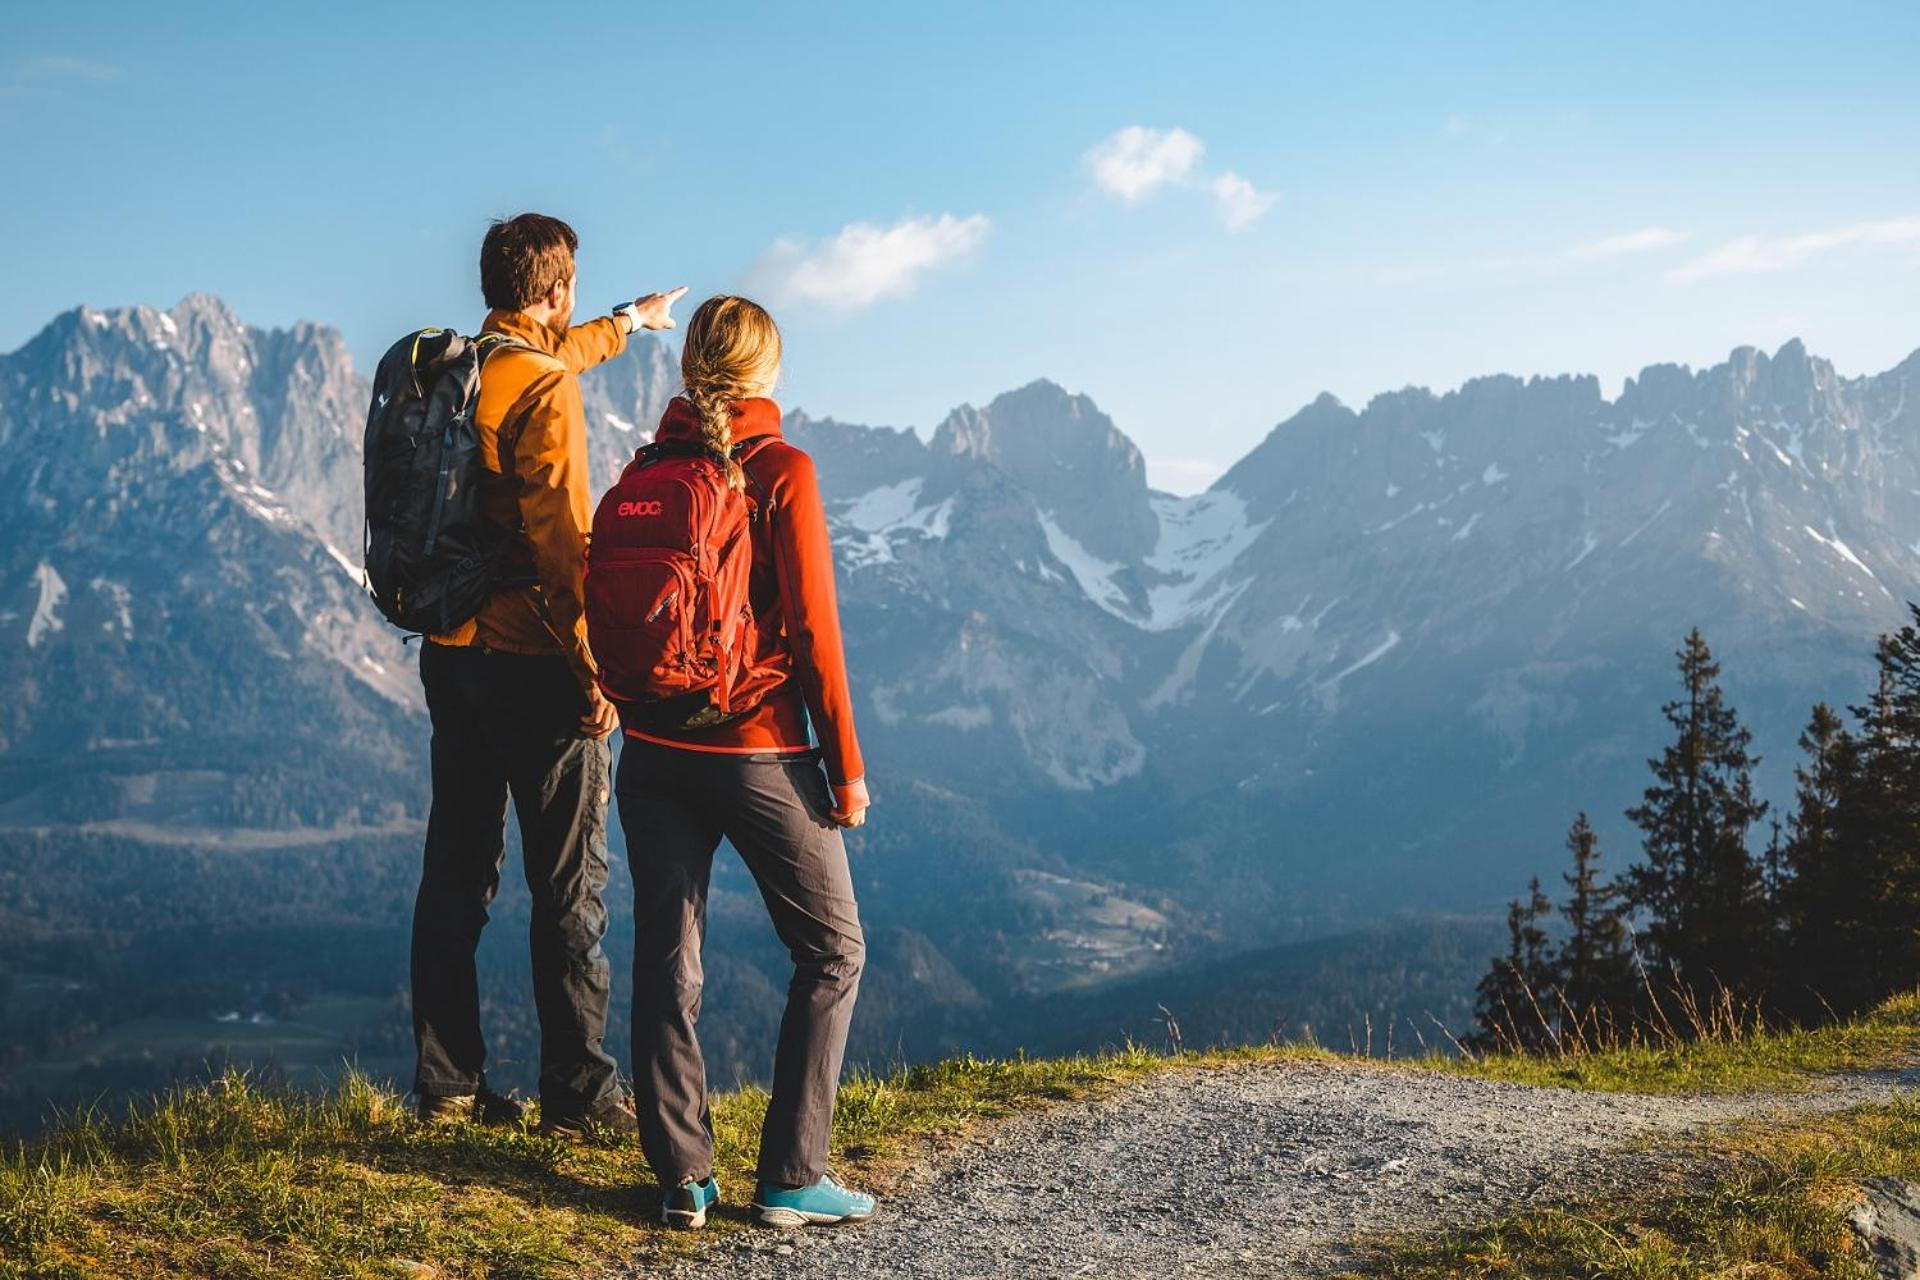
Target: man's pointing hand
651,312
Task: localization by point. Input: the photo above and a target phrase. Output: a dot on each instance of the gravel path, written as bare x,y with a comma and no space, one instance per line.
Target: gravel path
1252,1171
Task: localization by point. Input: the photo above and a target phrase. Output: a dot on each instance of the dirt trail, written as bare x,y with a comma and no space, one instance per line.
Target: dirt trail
1256,1171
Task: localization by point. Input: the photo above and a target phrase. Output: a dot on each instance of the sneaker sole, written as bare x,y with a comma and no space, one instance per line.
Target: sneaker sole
681,1220
768,1217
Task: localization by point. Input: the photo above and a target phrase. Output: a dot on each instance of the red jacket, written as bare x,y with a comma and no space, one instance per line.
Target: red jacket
796,615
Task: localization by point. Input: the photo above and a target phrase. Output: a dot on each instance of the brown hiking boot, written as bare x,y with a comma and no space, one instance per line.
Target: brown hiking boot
612,1118
482,1107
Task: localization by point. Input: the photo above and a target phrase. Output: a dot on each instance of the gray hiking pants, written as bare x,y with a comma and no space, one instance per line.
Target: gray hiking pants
508,724
675,806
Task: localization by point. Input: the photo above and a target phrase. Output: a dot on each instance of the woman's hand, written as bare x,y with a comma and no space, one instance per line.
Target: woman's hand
601,718
850,803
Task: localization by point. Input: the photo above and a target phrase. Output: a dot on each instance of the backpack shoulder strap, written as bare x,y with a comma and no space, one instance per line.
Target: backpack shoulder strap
490,342
743,453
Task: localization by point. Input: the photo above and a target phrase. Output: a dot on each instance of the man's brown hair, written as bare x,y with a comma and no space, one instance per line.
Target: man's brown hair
522,258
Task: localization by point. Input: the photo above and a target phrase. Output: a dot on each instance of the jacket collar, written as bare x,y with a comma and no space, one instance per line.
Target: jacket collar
751,419
522,327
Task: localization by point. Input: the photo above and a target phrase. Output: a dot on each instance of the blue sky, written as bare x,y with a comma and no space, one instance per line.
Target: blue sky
943,202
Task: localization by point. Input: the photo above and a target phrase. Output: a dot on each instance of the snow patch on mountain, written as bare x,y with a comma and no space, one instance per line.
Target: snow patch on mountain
1372,656
51,591
1587,544
1647,523
346,562
878,516
962,716
1831,541
1180,681
1201,539
1328,691
1627,437
1095,576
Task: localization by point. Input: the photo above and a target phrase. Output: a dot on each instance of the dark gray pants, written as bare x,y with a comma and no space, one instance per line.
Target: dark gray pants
508,724
675,807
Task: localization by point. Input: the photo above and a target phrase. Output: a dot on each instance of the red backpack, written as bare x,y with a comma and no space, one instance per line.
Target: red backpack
668,618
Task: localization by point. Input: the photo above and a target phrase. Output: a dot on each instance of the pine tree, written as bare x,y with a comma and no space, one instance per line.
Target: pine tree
1878,838
1516,997
1595,970
1817,900
1773,873
1698,883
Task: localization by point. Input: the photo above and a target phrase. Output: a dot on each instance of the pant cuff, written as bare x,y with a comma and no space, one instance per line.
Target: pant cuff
444,1088
789,1177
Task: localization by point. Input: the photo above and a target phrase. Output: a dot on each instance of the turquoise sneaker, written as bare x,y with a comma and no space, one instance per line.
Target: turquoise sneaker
685,1207
817,1204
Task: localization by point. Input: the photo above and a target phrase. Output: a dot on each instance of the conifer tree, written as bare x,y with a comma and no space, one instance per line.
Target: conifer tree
1698,884
1773,872
1817,899
1878,830
1516,996
1594,968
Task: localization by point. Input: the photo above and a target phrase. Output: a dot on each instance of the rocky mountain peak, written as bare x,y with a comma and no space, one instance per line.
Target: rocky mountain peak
195,386
1750,386
624,399
1371,618
1275,466
1086,473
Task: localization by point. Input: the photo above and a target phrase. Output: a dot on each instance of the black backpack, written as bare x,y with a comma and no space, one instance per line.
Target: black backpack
432,558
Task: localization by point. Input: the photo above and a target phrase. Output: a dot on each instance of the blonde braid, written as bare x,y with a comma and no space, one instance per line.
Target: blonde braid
732,353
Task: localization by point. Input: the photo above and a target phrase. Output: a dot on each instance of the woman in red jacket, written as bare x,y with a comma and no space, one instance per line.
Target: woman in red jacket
758,782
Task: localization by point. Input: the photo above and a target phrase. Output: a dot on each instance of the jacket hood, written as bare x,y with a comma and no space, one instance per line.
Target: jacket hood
522,327
751,419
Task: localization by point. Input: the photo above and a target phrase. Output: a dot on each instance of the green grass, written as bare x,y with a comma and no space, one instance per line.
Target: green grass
235,1180
1783,1059
1758,1201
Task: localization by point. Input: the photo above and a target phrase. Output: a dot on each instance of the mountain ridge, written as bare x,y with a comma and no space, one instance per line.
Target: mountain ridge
1376,629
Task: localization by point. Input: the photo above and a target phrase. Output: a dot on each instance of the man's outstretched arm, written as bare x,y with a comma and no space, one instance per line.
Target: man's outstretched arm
598,341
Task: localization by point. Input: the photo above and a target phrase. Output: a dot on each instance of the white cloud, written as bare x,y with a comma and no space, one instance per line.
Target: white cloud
864,263
1645,240
1747,255
1240,203
1135,161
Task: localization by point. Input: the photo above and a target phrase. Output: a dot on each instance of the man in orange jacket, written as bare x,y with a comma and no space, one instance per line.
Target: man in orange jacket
517,711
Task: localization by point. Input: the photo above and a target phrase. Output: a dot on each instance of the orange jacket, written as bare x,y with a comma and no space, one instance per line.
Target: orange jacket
530,401
796,616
